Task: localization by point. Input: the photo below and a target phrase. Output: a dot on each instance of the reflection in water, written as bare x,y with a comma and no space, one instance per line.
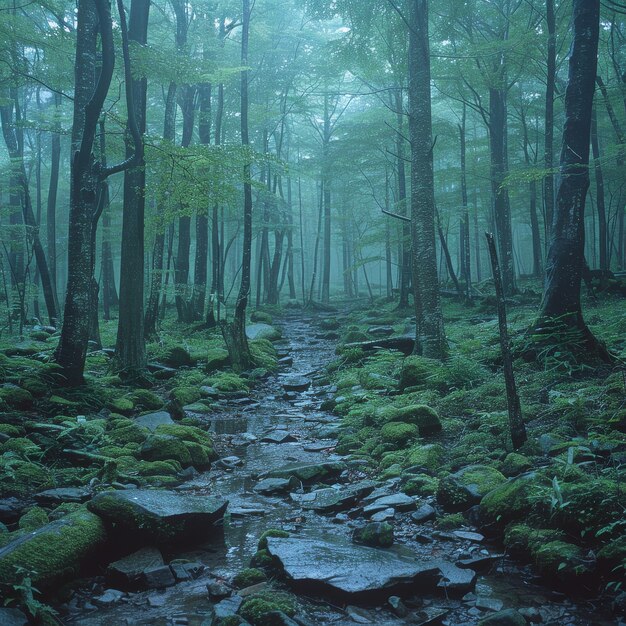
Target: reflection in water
228,425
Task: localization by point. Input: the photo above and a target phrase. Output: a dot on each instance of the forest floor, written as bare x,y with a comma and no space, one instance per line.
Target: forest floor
339,453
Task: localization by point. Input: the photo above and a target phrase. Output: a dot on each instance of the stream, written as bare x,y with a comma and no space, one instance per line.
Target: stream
239,424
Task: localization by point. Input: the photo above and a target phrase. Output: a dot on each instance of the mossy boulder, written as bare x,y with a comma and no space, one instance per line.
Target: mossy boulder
262,559
416,371
165,448
33,519
122,431
22,447
264,354
270,532
178,356
424,417
374,534
561,559
521,540
399,434
248,577
255,609
185,433
261,317
216,359
420,485
35,386
429,456
262,331
21,478
15,397
123,405
512,500
54,552
467,487
355,336
146,400
228,382
186,394
613,553
515,464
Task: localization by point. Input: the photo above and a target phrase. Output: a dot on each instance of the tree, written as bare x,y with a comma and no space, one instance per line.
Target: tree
561,319
430,335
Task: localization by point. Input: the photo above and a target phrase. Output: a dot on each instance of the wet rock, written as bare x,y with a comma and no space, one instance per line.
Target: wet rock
109,597
269,486
55,551
307,472
262,331
331,500
468,536
455,580
157,600
375,534
228,606
481,562
63,494
425,513
285,361
296,383
397,501
278,618
397,606
278,436
510,617
488,604
152,421
334,565
242,511
12,617
161,372
127,572
467,487
383,516
380,331
229,462
159,577
218,591
358,615
159,514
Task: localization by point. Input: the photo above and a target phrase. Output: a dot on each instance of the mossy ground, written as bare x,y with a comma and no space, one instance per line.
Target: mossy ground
574,414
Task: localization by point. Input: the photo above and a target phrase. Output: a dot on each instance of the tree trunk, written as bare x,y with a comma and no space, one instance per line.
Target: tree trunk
51,204
466,262
548,185
430,331
603,237
561,319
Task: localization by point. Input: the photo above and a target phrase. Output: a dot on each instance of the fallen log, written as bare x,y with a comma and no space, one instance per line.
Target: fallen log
405,344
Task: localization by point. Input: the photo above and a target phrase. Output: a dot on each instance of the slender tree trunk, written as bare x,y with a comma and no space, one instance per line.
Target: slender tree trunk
603,236
430,335
465,238
561,307
548,185
51,204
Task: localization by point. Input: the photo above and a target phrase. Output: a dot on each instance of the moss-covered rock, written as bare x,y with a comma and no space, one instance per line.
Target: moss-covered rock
613,553
15,397
248,577
122,431
54,552
186,394
264,354
22,478
399,434
177,356
33,519
186,433
270,532
22,447
228,382
374,534
512,500
560,559
261,317
521,540
216,359
459,491
146,400
429,456
515,464
424,417
262,559
165,448
355,336
420,485
416,371
123,405
255,609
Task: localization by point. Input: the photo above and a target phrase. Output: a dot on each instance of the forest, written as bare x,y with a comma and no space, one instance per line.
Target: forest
312,312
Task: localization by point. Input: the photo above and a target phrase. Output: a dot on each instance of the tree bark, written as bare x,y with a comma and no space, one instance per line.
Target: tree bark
548,184
430,335
603,236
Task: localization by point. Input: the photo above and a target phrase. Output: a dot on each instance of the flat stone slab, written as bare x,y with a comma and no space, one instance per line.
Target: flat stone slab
331,500
334,565
273,485
278,436
296,383
306,471
160,514
398,501
152,421
128,571
63,494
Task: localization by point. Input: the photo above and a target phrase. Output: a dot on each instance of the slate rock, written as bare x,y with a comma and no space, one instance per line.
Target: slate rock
397,606
278,436
485,603
218,591
375,534
127,572
63,494
334,565
152,421
455,580
510,617
425,513
306,472
397,501
159,577
228,606
296,383
383,516
109,597
331,500
159,514
269,486
229,462
12,617
262,331
468,536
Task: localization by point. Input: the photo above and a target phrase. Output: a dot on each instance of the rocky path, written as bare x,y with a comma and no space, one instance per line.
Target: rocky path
278,470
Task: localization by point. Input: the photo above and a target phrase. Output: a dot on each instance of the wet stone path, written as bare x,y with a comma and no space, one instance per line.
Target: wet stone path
278,470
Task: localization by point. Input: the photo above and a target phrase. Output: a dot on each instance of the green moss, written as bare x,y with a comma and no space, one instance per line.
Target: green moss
36,386
515,464
186,395
613,553
22,477
255,608
123,405
228,382
270,532
15,397
145,399
521,540
262,558
264,354
165,448
216,358
560,558
429,456
22,447
450,521
261,317
424,417
467,487
33,519
399,434
421,485
248,577
416,371
54,552
375,534
11,430
186,433
355,336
